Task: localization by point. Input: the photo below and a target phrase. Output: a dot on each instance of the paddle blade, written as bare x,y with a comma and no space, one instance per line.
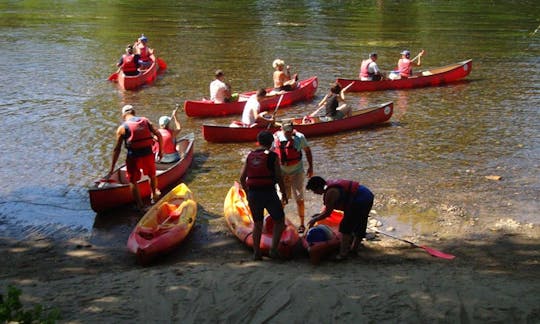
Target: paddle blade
162,65
437,253
113,77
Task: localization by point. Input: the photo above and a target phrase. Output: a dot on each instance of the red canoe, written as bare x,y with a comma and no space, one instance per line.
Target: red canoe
164,226
433,77
238,218
320,247
314,126
115,191
207,108
145,77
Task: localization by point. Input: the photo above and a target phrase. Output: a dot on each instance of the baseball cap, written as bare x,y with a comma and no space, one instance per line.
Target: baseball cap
127,108
164,120
405,52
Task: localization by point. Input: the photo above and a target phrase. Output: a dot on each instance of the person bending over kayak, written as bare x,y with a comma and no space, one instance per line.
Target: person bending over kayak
354,200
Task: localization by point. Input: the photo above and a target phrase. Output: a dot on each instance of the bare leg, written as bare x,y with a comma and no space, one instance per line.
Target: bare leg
279,226
155,191
301,213
136,195
345,245
257,232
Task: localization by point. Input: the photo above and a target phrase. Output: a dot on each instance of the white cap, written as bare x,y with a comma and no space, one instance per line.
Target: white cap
127,108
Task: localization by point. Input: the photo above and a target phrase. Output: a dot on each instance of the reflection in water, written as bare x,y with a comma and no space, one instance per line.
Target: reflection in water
60,111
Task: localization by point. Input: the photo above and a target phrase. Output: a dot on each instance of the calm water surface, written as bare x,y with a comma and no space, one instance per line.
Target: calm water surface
59,112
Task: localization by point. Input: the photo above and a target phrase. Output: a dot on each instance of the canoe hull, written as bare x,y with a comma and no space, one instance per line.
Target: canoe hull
207,108
429,78
362,118
164,226
238,219
147,76
107,195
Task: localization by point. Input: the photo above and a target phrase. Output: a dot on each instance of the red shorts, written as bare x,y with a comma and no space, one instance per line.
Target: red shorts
134,165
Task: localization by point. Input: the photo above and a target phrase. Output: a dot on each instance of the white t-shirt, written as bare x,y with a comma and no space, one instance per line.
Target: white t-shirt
252,105
218,90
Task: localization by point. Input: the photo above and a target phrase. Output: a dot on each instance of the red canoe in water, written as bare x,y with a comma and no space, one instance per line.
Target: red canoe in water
238,218
310,127
115,191
164,226
433,77
146,76
207,108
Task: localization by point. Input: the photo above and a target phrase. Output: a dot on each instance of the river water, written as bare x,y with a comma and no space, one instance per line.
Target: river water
428,165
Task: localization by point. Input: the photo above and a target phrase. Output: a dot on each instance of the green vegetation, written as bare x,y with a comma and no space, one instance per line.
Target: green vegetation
11,310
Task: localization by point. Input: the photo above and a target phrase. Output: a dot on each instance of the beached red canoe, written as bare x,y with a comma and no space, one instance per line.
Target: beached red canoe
238,218
207,108
310,127
164,226
144,77
114,192
428,78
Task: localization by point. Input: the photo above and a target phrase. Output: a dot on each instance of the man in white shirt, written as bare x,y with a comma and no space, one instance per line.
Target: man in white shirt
220,91
252,115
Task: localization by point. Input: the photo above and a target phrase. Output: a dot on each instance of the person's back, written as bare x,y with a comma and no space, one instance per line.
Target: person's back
129,62
219,90
283,80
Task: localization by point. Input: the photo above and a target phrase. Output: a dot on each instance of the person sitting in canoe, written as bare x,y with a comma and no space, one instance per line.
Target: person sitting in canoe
141,48
129,62
404,66
168,136
252,115
369,70
283,80
334,103
220,91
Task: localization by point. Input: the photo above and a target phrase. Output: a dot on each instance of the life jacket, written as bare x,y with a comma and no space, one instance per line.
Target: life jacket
138,135
128,63
260,169
347,190
144,53
167,140
404,67
288,154
331,105
364,69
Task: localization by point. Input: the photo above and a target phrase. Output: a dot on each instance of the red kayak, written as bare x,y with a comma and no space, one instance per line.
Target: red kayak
146,76
309,126
115,191
238,218
207,108
164,226
428,78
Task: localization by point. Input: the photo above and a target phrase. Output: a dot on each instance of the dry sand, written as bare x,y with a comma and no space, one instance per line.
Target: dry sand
494,279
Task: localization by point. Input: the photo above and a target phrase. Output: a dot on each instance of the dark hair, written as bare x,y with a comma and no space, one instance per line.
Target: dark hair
373,54
265,138
315,182
261,92
219,73
336,88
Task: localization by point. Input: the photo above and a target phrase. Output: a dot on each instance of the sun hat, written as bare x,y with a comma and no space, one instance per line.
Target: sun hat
127,108
164,120
278,62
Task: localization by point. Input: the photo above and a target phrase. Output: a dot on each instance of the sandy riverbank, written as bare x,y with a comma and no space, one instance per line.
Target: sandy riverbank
495,278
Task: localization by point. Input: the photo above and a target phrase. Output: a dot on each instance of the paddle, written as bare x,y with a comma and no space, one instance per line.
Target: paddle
114,76
432,251
417,56
106,180
321,107
162,65
275,111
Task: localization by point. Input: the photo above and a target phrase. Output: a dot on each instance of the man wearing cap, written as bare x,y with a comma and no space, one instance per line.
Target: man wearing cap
136,133
144,52
289,144
405,64
283,80
168,134
369,70
354,199
220,91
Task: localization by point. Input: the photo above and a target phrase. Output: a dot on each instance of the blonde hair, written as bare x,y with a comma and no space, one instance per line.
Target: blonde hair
278,62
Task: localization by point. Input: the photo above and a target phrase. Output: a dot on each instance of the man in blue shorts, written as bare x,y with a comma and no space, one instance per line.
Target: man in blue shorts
260,173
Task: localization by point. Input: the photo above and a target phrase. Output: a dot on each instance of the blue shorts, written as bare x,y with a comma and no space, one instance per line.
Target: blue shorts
355,217
261,199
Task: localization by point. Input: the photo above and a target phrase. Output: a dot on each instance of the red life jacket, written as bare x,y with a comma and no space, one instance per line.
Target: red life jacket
288,154
145,54
404,67
347,190
260,169
128,63
167,140
364,69
138,134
